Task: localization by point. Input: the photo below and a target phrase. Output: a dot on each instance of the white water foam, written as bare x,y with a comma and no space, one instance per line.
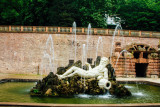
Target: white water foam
84,96
105,96
139,94
126,86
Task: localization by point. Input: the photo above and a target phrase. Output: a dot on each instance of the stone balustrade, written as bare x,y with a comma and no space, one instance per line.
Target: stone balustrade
79,30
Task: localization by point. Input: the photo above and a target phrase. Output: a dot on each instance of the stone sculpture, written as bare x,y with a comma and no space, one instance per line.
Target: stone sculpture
103,80
100,72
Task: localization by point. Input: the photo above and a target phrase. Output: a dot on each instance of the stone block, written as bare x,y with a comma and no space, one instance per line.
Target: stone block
154,76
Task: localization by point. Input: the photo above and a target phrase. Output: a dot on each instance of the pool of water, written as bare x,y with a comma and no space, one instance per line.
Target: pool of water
19,92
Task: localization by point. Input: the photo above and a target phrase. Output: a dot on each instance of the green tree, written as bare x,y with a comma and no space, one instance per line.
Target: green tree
61,12
23,12
93,11
9,12
140,14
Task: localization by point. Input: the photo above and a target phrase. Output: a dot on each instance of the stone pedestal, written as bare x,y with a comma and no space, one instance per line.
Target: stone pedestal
154,74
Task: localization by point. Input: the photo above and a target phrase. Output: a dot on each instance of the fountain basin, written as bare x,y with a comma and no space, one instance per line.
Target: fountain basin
19,92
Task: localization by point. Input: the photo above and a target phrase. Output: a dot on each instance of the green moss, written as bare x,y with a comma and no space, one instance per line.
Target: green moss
119,90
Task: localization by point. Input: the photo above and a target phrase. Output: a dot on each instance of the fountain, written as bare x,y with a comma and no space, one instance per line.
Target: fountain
97,80
118,26
99,45
48,55
68,82
88,34
122,52
88,37
79,86
75,41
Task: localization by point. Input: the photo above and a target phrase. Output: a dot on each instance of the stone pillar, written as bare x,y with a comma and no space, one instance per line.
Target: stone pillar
21,28
46,30
83,30
107,32
59,29
70,29
10,28
95,31
150,34
71,62
153,68
129,33
89,60
118,32
141,55
34,28
140,33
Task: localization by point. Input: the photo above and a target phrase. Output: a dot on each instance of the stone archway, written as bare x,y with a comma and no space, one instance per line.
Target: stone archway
140,50
141,54
141,60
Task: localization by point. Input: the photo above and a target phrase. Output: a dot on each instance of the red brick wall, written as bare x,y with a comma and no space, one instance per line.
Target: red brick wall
23,52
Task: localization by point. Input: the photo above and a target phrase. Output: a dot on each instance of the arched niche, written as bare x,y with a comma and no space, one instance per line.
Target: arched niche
140,50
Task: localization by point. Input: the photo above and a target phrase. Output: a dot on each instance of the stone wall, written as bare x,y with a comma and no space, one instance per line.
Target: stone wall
23,53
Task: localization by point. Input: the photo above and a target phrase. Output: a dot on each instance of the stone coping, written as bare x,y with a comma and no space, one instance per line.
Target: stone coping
146,80
9,104
80,30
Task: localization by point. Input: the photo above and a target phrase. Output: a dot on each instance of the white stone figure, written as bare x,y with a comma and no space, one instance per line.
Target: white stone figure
104,83
100,72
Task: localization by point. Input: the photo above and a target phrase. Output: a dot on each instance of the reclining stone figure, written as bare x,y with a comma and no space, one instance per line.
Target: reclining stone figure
100,72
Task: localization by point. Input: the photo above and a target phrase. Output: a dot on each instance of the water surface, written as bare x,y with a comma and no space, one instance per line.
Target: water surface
19,92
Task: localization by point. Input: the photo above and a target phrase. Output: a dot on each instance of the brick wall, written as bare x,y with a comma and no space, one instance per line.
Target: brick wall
23,52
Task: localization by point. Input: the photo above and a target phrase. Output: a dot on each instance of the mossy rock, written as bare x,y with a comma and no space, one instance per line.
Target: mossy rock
98,59
119,90
78,64
68,87
111,73
93,88
74,85
48,92
61,70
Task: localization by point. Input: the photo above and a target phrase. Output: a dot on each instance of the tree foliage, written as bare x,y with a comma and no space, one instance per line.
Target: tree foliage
141,14
138,14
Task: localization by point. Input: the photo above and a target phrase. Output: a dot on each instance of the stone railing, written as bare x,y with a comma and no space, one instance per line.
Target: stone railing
94,31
